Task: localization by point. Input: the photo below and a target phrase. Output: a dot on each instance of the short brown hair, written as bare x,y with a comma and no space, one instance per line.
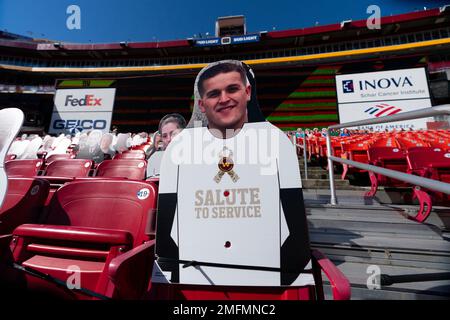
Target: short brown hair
173,117
217,69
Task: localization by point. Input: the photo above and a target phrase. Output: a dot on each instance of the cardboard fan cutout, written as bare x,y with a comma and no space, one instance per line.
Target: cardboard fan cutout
11,120
231,211
154,164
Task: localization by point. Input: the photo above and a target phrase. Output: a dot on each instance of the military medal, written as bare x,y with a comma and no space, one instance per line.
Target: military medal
226,166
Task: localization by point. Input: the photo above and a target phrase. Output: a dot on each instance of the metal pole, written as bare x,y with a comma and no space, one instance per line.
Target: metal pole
333,200
294,142
304,156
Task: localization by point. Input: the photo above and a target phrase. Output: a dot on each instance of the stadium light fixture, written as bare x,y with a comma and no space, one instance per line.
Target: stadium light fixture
123,44
346,24
57,45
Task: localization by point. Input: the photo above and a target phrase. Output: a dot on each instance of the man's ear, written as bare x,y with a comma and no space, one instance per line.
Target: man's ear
201,106
248,91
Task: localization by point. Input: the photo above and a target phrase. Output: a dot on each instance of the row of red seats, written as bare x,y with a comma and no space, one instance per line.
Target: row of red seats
59,172
78,168
103,230
423,153
428,162
358,144
75,169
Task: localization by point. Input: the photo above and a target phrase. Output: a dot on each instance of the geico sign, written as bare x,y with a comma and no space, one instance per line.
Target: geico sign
80,124
88,100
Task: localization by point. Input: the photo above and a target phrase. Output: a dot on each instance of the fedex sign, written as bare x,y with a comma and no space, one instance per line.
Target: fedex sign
84,100
88,100
82,109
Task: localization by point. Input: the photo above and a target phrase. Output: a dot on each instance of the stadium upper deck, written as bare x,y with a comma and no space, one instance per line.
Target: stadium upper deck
294,69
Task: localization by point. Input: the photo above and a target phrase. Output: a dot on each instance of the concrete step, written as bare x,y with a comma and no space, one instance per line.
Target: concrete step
357,236
319,175
325,184
315,170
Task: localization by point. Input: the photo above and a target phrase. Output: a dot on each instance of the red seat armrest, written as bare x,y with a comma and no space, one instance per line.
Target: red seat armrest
439,165
82,234
56,180
131,272
340,285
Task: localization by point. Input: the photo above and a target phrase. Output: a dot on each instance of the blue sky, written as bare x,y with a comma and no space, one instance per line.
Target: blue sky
152,20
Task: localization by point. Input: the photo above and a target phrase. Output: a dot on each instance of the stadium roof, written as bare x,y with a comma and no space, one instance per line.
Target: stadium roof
297,46
333,32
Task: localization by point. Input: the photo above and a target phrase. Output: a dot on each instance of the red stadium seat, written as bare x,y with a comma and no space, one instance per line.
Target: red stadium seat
69,168
23,203
24,168
122,168
54,157
99,228
389,158
407,142
355,151
138,151
59,172
441,143
131,155
432,163
386,142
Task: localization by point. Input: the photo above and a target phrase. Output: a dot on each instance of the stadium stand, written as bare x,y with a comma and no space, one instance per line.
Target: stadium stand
25,168
122,168
297,89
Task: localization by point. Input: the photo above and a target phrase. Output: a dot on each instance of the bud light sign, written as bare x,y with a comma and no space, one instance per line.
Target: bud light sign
76,110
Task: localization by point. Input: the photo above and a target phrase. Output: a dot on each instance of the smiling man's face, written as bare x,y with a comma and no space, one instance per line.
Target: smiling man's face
224,101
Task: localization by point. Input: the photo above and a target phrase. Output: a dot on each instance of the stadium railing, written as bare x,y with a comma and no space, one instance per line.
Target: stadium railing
409,178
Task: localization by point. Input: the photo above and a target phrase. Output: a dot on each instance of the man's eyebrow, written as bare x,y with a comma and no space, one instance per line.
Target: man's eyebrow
232,85
213,91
